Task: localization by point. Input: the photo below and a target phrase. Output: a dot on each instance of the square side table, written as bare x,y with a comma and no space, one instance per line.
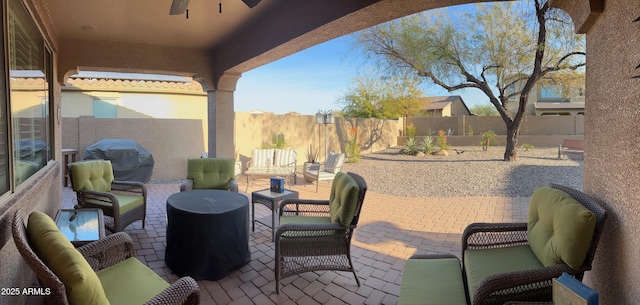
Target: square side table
85,227
271,200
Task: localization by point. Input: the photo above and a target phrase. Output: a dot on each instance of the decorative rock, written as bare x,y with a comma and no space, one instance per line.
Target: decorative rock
441,152
420,154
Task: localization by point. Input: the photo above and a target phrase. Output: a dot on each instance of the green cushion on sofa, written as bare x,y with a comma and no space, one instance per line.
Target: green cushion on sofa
432,282
343,199
485,262
57,252
121,282
559,228
211,173
94,175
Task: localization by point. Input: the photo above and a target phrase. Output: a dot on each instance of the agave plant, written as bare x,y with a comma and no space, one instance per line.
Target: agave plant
411,147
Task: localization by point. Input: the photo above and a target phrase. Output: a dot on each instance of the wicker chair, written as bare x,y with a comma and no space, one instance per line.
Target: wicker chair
327,171
101,254
532,284
316,242
95,188
210,173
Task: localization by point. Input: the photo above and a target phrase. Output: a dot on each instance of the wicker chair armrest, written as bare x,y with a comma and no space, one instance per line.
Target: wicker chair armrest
108,251
501,283
295,206
309,230
233,185
183,291
186,185
130,187
97,194
483,235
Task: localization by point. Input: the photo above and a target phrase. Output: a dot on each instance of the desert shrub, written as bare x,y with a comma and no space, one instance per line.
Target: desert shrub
488,137
411,146
277,141
427,145
352,151
411,131
441,141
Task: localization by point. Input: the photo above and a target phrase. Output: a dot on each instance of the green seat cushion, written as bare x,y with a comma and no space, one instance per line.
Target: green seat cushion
481,263
94,175
343,200
130,282
129,202
559,228
432,282
305,220
211,173
56,251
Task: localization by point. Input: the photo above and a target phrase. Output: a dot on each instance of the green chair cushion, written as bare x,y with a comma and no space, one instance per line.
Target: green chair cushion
94,175
559,228
57,252
130,282
305,220
343,200
129,202
211,173
480,263
432,282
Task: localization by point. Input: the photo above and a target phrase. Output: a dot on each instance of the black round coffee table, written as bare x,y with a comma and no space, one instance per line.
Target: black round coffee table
207,233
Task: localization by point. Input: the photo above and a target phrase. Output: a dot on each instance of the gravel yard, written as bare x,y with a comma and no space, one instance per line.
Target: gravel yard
470,172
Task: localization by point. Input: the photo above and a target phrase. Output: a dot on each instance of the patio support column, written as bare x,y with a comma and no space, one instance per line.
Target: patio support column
611,168
221,117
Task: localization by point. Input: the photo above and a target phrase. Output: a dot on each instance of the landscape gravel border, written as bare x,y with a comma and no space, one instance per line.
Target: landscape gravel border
467,171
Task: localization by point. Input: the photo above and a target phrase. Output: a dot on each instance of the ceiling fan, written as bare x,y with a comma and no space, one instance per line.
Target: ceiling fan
180,6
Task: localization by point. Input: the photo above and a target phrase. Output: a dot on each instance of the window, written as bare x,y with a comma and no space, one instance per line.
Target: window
551,92
105,108
29,83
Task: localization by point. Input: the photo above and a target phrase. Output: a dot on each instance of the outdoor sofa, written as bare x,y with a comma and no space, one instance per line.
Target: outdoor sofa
272,162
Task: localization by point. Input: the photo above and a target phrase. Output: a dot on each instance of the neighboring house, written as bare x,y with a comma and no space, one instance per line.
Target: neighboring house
444,106
133,95
549,98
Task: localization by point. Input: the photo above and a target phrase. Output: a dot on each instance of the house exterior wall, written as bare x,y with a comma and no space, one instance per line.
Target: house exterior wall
446,111
457,108
41,192
611,159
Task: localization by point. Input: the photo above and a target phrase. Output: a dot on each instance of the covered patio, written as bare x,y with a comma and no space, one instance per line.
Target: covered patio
76,35
390,230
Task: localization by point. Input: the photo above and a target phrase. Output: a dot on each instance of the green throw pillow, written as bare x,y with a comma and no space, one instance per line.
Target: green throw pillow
57,252
343,200
559,228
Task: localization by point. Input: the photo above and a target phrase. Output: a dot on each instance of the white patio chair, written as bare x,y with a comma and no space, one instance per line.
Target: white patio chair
326,171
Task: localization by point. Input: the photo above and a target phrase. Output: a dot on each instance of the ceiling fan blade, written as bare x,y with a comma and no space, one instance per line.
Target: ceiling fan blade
178,7
251,3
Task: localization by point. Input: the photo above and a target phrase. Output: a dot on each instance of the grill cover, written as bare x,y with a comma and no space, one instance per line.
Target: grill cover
130,161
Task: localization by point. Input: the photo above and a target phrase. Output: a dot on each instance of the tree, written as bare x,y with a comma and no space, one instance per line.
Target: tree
492,50
373,96
484,110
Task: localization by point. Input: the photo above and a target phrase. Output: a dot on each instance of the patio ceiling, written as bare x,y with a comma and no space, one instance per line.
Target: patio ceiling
90,33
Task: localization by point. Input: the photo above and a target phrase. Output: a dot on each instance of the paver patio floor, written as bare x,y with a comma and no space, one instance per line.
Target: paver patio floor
390,230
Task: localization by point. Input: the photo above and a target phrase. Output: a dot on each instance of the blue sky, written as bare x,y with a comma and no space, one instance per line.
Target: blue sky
314,79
